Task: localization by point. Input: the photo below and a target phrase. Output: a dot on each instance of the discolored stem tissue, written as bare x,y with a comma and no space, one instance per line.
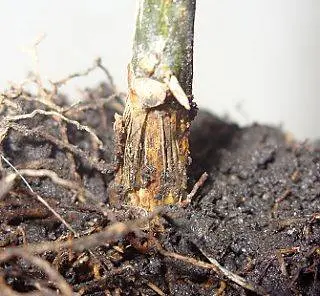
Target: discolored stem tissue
152,146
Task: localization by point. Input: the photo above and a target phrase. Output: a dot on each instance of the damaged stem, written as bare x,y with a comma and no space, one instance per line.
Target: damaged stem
152,135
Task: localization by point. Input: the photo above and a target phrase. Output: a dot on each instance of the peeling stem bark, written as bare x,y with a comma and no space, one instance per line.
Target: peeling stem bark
152,146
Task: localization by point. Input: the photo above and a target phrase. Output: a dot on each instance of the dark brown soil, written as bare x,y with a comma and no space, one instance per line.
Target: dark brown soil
258,214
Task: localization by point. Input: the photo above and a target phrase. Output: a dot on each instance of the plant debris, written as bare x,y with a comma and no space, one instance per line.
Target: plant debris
251,225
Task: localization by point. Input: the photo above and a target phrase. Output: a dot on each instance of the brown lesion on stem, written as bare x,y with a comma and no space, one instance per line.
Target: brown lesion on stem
153,156
152,147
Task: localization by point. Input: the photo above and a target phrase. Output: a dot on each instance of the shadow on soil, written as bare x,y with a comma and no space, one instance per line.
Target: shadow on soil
209,135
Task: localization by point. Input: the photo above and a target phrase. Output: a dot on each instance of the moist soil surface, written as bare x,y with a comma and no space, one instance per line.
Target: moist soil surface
257,214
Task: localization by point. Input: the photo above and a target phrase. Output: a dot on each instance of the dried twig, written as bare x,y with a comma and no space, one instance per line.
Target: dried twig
234,277
49,174
99,165
54,113
280,199
86,72
213,265
39,197
6,184
14,113
156,289
55,179
110,234
198,185
280,256
83,106
195,189
42,99
221,290
4,100
33,51
283,196
98,61
53,275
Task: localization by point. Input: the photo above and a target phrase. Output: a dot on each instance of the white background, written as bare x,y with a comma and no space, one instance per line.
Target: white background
255,60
